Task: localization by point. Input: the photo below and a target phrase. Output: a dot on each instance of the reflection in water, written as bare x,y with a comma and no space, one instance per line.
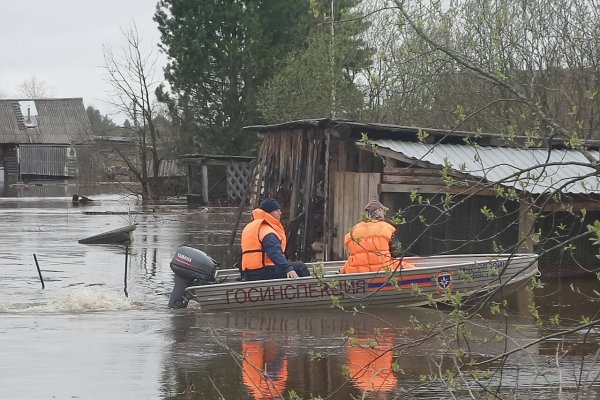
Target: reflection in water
370,363
264,355
190,354
260,355
264,368
149,266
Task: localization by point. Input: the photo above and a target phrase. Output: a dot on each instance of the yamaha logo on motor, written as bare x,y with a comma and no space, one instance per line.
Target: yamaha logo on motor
184,257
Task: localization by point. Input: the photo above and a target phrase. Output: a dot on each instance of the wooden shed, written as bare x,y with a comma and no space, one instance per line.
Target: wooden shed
217,178
42,137
452,192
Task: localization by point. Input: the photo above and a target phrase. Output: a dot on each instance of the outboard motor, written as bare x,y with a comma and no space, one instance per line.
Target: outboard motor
191,267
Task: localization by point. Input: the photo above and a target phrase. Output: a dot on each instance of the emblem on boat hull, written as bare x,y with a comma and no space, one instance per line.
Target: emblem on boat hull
444,281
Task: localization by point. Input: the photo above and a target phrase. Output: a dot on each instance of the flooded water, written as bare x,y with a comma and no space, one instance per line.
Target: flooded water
99,331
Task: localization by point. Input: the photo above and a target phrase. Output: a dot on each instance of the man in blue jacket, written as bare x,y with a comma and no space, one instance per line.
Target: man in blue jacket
263,246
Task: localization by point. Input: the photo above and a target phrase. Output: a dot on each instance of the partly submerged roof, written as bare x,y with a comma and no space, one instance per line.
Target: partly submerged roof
535,170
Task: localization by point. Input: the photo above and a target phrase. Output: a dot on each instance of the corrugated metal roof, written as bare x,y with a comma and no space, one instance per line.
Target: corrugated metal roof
534,170
59,121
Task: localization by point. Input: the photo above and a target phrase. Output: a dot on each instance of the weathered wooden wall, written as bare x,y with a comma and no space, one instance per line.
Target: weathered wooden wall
351,191
290,167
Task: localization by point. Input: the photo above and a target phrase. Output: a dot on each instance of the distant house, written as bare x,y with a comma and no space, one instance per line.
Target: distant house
324,171
110,164
40,138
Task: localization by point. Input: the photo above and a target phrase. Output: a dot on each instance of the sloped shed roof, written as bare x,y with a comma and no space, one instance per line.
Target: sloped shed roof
491,158
59,121
535,170
379,130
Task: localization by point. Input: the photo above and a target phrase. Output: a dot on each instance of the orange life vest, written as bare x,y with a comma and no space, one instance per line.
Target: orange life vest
368,246
253,256
264,372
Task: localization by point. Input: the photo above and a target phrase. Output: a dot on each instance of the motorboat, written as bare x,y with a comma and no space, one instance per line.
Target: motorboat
434,279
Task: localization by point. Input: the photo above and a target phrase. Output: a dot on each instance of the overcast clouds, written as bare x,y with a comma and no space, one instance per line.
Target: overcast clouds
60,43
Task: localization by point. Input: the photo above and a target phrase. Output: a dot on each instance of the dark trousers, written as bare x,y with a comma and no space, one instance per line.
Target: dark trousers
275,273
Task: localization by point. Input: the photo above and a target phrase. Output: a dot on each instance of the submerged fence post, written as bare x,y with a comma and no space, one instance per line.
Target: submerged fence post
39,271
125,277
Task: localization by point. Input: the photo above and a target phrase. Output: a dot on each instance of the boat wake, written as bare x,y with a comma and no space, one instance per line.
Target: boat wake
79,300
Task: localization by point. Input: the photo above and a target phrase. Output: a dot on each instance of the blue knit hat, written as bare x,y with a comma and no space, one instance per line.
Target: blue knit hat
269,205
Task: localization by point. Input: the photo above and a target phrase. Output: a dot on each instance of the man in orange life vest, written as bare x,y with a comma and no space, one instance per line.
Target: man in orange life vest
371,243
263,246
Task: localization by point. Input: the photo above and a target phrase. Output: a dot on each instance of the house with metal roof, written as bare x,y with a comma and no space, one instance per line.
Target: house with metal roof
41,137
451,191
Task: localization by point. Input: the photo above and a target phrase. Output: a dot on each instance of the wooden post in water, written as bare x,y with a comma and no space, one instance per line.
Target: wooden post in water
39,271
125,277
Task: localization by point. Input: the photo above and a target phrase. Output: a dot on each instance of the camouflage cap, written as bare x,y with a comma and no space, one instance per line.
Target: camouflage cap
375,205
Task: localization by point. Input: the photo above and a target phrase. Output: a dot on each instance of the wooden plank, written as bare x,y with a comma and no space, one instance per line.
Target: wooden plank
343,209
326,196
338,212
374,181
400,157
362,191
204,179
351,186
351,191
389,170
189,180
404,188
417,164
436,180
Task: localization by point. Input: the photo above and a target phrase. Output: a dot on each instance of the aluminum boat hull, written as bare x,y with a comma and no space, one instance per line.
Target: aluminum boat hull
432,279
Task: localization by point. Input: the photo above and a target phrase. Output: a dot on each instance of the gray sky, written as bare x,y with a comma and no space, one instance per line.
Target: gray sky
60,42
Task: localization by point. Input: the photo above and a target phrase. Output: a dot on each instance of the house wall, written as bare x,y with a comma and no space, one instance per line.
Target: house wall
47,140
10,163
47,160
